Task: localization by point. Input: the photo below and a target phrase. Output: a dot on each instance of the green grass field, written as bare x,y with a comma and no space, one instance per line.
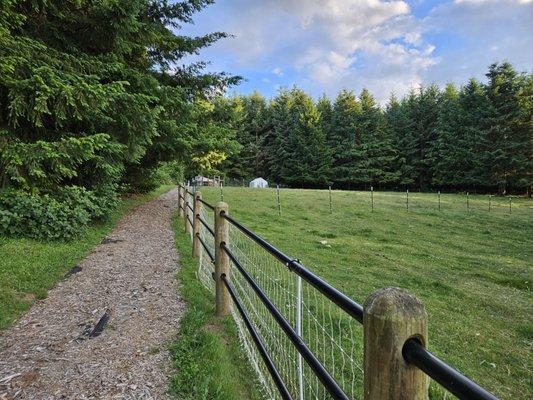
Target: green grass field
471,268
29,268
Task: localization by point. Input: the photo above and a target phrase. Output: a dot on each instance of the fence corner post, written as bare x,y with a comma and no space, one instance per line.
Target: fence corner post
391,316
222,306
196,225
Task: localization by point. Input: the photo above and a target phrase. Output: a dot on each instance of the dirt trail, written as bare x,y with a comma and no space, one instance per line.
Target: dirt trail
50,352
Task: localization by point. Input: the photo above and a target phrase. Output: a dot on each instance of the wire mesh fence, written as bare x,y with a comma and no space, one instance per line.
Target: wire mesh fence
320,318
332,335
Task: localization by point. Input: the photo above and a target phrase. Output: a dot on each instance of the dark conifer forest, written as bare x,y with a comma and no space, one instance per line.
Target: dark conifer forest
474,137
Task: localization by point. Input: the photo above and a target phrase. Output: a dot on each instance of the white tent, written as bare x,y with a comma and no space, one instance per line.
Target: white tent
258,183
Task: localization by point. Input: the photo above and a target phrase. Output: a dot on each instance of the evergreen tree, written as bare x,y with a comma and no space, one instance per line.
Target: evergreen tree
375,149
508,152
87,97
400,126
344,139
251,128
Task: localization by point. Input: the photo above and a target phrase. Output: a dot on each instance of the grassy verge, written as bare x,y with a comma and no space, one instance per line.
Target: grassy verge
29,268
208,361
472,269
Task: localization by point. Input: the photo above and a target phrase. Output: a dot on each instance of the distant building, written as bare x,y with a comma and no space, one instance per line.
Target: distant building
205,181
258,183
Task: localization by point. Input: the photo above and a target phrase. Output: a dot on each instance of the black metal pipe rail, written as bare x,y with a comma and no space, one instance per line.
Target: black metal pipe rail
455,382
189,219
205,203
336,296
190,207
204,223
276,377
413,352
320,371
206,248
191,193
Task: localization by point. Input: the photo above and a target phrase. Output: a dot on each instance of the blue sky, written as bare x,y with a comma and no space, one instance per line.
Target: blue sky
324,46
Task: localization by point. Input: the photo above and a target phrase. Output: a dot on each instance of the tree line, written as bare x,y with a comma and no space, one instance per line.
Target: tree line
475,137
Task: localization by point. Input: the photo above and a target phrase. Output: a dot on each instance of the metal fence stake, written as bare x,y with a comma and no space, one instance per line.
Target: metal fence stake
439,200
221,191
391,316
510,204
279,202
490,198
372,197
407,199
299,332
330,202
467,203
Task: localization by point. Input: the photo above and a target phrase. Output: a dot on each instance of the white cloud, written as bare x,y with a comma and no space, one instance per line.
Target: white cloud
277,71
327,45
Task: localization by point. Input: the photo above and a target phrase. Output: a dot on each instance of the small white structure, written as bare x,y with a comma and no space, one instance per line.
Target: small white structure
258,183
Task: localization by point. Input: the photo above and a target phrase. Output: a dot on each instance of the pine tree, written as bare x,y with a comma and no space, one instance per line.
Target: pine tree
344,139
375,149
400,126
508,153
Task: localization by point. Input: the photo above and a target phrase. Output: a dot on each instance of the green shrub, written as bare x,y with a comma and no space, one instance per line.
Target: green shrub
60,215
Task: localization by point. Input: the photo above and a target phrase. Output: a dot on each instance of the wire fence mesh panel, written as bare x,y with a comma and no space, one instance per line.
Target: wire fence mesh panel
189,206
206,266
336,339
329,332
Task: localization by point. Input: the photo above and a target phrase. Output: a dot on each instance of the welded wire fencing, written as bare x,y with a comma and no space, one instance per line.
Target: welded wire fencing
303,337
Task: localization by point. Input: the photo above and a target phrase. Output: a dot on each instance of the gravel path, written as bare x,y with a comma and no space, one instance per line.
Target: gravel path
50,352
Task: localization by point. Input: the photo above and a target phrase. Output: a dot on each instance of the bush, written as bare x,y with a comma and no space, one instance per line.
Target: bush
62,215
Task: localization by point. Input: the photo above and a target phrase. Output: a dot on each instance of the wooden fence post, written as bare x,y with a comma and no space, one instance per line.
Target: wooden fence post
188,227
222,297
196,245
180,201
391,316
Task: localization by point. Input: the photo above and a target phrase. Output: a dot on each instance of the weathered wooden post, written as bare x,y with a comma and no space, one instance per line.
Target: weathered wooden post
407,199
196,245
372,197
439,200
391,316
180,201
222,297
467,203
490,198
188,227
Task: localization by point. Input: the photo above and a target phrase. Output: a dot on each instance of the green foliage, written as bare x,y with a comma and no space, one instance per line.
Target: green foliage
90,95
61,216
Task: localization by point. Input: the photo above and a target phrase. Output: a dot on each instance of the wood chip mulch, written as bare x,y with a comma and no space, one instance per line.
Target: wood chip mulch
103,332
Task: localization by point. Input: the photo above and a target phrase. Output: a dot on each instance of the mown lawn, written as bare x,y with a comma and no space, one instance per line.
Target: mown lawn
471,268
29,268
